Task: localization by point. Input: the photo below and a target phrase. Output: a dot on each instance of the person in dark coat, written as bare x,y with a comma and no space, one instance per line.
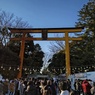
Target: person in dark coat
31,89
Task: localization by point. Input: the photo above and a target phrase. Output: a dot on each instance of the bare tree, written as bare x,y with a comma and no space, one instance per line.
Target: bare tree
56,46
9,20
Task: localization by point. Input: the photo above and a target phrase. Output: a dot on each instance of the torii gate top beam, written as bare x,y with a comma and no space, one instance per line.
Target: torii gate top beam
49,30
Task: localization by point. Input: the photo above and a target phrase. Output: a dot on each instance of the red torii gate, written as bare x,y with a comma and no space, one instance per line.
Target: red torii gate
44,32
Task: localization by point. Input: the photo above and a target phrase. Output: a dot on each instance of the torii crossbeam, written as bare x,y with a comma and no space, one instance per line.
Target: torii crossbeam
44,32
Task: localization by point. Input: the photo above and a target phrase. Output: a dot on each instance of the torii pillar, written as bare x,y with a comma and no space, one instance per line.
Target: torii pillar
67,55
21,55
44,32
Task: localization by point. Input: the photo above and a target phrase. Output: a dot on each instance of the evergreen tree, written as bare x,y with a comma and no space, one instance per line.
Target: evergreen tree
85,49
82,53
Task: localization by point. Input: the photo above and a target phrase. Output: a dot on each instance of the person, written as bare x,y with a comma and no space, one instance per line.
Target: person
12,87
68,84
16,86
6,84
46,89
86,87
43,86
31,89
72,92
1,88
22,86
63,88
93,89
78,87
37,84
53,87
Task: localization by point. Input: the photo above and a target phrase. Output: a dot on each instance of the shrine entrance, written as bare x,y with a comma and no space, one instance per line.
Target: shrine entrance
44,32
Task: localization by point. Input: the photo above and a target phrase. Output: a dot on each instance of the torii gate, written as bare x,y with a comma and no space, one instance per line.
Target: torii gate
44,32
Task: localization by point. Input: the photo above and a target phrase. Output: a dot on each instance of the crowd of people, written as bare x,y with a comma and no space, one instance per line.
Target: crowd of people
84,87
33,86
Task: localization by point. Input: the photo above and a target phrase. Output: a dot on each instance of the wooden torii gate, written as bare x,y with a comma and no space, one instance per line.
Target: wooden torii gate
44,32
